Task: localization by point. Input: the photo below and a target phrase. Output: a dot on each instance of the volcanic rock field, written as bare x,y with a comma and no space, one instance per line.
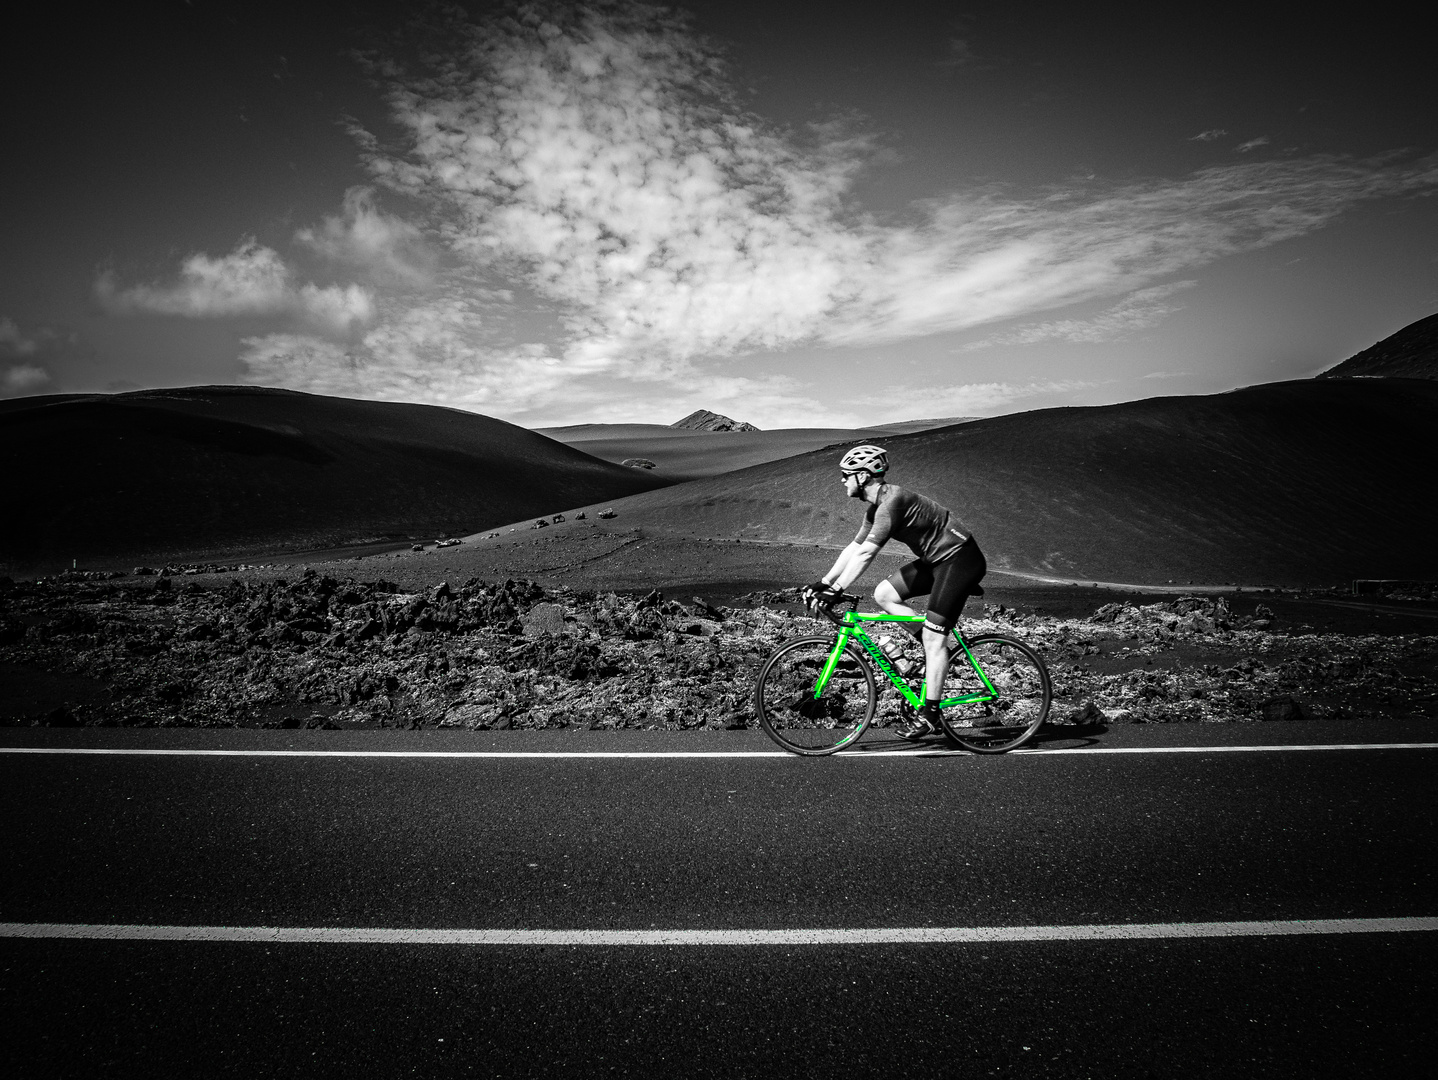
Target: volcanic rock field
321,652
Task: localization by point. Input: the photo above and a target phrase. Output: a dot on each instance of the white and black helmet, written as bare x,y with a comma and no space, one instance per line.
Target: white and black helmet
874,459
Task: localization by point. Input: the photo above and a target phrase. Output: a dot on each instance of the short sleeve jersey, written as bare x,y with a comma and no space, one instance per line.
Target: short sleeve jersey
929,529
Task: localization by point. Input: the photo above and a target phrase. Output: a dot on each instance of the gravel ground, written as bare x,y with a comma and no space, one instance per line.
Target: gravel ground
318,651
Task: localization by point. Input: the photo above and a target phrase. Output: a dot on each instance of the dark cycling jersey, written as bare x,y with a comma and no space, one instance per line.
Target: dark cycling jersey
929,529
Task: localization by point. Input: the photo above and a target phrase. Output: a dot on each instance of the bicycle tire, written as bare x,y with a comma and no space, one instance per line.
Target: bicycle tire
795,719
1025,693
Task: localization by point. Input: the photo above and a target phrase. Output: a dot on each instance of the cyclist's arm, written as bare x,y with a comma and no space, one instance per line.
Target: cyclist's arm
851,564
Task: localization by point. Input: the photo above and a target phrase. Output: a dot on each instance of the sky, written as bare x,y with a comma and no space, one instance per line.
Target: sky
796,214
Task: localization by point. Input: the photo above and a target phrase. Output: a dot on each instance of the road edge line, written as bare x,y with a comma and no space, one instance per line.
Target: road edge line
819,936
919,752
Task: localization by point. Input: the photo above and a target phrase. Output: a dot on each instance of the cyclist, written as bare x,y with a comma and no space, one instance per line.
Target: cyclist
949,567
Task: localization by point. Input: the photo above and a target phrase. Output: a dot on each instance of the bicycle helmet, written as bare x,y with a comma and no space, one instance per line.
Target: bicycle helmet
874,459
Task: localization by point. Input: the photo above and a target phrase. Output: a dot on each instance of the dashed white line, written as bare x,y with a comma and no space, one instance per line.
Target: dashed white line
919,935
874,755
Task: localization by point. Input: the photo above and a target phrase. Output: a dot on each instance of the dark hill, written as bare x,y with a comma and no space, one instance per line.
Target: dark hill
684,454
704,420
1309,482
1412,353
709,453
194,472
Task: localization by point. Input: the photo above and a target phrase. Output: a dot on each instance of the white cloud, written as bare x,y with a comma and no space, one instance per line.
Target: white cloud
1209,135
440,348
897,402
983,258
436,349
1252,144
958,54
13,342
367,239
251,280
604,163
1140,310
22,379
34,350
340,308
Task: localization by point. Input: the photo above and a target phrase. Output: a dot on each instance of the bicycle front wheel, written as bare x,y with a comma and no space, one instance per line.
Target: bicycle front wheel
1010,687
804,717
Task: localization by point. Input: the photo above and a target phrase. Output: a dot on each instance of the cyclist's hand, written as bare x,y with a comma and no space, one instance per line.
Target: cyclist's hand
820,594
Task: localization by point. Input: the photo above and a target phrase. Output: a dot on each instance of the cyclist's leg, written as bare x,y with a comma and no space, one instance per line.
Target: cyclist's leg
936,663
912,579
954,580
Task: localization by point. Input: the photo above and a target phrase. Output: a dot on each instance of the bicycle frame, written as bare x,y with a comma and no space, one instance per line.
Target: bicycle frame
851,627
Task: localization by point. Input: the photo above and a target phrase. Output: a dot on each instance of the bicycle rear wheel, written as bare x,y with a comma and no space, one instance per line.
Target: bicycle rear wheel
1015,707
801,721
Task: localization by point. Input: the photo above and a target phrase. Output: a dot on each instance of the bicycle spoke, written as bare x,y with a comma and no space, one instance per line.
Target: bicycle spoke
1008,692
795,716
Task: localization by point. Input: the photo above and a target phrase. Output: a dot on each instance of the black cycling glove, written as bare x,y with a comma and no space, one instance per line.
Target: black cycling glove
820,594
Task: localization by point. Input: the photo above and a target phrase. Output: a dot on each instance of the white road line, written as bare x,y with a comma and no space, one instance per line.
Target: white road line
1229,749
149,752
919,935
873,755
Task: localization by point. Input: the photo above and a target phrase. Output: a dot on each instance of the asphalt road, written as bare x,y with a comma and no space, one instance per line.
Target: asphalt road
720,843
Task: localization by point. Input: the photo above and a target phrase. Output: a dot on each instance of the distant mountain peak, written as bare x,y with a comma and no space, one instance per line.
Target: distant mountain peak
704,420
1412,353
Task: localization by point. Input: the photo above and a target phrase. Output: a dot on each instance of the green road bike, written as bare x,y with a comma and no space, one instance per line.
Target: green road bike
817,694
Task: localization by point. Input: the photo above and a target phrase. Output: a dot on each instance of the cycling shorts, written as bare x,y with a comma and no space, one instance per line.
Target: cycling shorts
949,584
